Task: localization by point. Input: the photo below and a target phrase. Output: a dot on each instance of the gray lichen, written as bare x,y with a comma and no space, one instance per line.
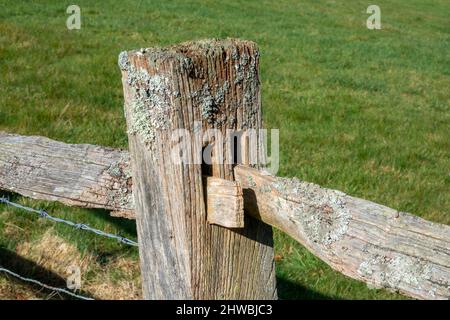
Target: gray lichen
120,194
221,91
150,105
239,69
234,54
251,87
391,272
123,61
121,167
208,105
246,76
322,212
150,102
210,101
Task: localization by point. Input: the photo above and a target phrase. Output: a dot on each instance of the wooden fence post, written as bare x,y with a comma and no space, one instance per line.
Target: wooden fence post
194,86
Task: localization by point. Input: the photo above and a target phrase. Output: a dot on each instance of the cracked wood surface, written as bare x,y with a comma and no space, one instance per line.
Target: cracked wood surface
194,86
364,240
75,174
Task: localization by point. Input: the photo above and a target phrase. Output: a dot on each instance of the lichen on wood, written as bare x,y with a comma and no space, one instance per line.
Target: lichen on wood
361,239
120,183
211,101
197,85
391,272
82,175
382,247
150,103
321,212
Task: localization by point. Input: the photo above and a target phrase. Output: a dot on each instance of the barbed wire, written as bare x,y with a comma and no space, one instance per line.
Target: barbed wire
80,226
46,286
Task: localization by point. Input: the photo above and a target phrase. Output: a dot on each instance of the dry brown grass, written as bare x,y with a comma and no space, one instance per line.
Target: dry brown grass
12,290
117,280
55,254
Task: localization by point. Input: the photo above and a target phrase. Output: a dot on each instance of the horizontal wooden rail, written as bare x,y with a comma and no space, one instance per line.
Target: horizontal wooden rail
364,240
81,175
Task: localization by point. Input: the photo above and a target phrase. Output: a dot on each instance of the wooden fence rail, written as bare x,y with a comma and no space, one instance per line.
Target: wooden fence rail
215,85
364,240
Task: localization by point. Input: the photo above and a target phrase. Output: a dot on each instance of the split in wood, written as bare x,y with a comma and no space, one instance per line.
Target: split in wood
364,240
201,85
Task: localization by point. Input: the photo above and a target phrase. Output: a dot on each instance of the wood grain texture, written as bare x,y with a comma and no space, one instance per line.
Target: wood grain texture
364,240
75,174
200,85
224,202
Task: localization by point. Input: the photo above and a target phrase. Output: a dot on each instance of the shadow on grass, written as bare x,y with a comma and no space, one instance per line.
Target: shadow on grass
288,290
126,225
9,195
29,269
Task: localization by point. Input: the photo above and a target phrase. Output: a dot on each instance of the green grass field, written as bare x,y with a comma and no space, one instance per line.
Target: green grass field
363,111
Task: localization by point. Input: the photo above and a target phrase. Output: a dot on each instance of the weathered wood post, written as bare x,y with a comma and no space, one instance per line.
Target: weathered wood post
195,86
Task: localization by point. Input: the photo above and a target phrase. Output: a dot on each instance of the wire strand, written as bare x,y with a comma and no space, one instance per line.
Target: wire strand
46,286
81,226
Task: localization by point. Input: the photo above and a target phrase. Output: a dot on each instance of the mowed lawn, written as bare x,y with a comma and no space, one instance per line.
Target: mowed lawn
363,111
